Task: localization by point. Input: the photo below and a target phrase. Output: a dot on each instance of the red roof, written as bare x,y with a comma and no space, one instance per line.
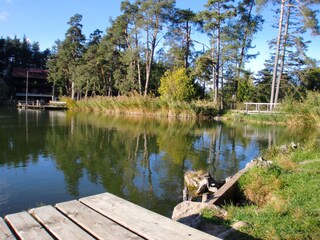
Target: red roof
33,73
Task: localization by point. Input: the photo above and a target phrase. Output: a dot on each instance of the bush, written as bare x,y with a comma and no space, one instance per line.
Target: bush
176,85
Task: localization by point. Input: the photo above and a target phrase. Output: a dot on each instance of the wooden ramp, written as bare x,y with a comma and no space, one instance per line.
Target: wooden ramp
102,216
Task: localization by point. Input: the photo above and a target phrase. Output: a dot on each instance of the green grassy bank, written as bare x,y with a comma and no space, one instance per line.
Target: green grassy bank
282,201
139,105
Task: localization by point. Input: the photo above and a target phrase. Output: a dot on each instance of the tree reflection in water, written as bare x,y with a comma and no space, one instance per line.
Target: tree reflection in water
140,159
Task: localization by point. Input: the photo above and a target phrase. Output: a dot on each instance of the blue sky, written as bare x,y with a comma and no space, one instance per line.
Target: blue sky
45,21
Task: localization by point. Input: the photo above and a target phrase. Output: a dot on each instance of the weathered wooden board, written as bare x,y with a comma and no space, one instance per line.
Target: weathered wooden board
60,226
5,232
93,222
228,190
146,223
26,227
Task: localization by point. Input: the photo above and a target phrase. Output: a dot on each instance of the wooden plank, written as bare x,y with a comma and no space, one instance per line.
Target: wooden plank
146,223
98,225
26,227
5,232
60,226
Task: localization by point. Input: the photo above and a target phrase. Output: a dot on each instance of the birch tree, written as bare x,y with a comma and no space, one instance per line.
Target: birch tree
306,21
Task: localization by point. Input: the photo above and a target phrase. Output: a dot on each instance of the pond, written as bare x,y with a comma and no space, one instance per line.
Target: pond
48,157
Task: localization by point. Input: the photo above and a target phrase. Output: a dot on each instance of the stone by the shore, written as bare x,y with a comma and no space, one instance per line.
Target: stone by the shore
189,213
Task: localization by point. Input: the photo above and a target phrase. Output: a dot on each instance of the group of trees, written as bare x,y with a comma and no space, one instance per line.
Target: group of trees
295,18
151,37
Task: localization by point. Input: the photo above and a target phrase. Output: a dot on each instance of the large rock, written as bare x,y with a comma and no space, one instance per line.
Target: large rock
189,213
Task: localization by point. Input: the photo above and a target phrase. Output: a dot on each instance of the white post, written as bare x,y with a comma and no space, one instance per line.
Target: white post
27,87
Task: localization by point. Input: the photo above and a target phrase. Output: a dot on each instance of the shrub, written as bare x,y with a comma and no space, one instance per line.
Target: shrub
176,85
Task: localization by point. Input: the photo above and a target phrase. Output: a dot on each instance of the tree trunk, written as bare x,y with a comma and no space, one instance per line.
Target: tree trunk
87,90
213,69
217,72
276,60
285,38
109,87
138,65
243,45
72,90
188,43
222,85
147,65
150,54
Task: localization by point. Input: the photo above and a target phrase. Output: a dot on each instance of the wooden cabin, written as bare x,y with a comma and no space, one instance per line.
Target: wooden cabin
31,85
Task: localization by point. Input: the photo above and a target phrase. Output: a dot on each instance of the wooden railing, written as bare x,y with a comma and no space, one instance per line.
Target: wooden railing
252,107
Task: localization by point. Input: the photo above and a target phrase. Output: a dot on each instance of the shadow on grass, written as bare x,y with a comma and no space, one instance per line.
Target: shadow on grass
215,226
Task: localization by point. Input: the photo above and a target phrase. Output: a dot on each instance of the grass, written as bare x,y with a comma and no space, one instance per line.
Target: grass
138,105
283,200
260,118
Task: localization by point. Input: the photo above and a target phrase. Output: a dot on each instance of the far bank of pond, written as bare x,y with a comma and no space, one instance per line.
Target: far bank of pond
55,156
145,106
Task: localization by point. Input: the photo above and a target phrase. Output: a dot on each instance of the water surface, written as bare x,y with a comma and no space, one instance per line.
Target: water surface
52,156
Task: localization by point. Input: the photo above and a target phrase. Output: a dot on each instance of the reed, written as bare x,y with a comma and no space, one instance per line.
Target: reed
305,112
139,105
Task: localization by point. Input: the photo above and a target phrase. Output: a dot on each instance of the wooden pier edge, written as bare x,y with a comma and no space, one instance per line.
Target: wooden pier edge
102,216
143,222
5,232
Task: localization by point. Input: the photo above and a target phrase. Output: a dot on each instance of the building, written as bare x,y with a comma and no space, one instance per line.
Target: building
31,85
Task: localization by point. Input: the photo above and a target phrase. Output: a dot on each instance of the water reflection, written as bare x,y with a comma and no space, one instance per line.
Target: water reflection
49,157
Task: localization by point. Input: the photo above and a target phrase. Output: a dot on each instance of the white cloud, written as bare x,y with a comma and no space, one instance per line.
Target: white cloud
3,15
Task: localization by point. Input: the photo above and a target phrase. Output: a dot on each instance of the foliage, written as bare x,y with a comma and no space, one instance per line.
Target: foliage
245,90
18,53
3,89
289,57
151,37
179,37
64,66
176,85
153,18
306,112
202,70
21,53
310,79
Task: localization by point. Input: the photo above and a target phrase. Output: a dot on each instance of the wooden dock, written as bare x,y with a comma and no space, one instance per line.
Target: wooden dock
52,105
102,216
